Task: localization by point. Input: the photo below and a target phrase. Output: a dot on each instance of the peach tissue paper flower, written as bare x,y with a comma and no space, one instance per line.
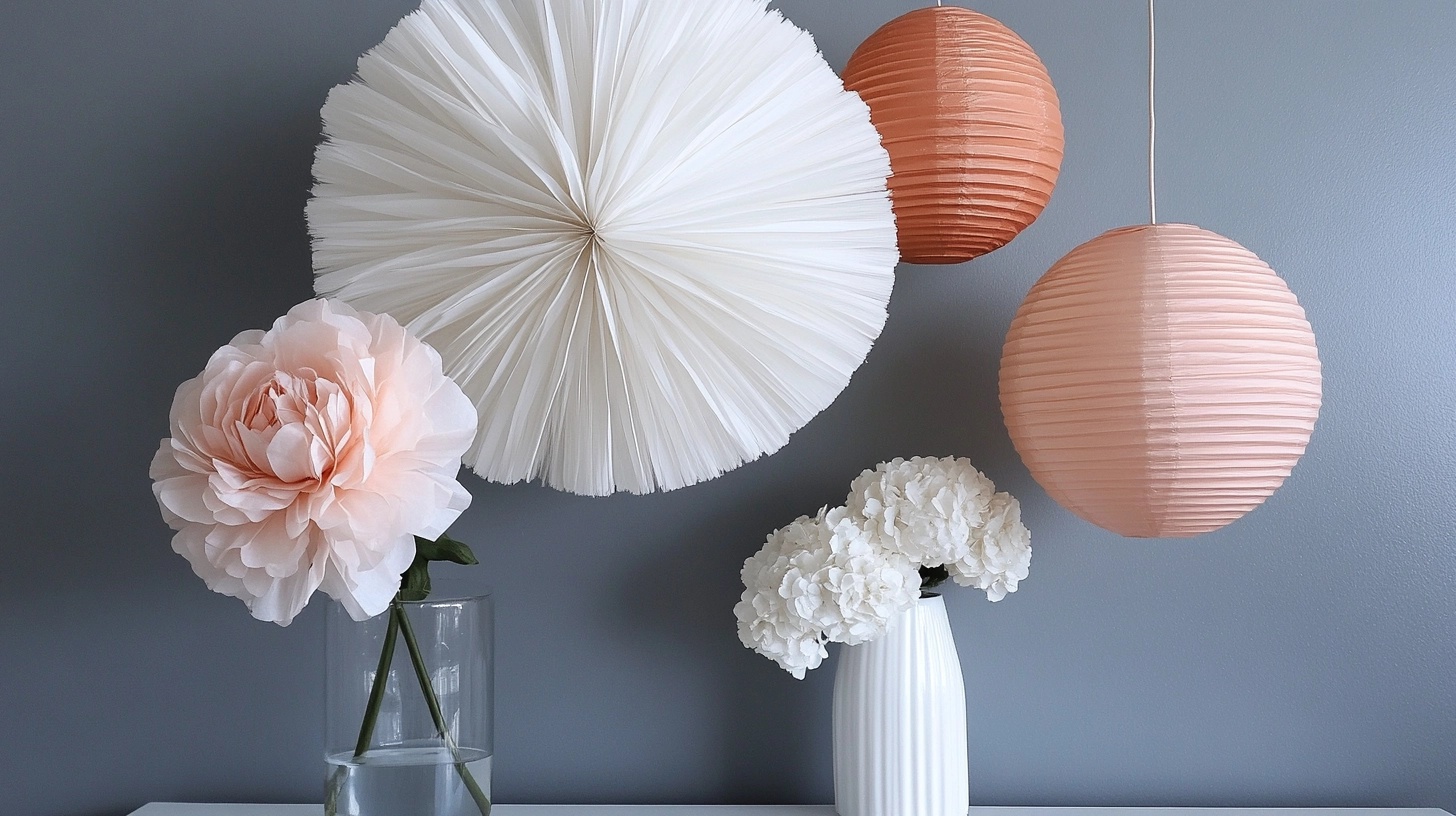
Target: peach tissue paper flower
309,456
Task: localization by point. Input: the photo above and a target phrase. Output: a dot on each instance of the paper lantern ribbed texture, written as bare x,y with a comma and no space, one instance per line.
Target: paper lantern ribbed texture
1160,381
971,122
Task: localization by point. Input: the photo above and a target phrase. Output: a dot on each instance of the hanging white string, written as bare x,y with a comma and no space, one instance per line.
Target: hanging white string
1152,120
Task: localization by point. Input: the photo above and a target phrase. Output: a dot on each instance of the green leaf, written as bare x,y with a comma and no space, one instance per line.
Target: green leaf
444,548
415,582
415,585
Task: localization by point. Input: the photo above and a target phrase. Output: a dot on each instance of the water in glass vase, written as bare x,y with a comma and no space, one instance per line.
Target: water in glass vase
404,780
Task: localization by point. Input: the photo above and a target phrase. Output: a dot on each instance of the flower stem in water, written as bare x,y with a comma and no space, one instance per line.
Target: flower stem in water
397,616
376,692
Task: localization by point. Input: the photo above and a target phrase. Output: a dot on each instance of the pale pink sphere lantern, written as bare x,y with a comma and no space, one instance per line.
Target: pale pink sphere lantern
1160,381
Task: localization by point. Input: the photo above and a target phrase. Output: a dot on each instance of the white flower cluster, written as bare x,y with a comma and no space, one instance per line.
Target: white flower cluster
816,580
846,573
944,512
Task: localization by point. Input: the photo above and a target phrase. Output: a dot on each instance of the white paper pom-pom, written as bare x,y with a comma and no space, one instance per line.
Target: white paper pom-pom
650,238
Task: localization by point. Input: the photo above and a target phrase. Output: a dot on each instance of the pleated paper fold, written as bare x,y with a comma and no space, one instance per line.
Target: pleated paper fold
650,238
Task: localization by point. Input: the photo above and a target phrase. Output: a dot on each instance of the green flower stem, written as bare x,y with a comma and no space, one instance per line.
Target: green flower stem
418,659
376,692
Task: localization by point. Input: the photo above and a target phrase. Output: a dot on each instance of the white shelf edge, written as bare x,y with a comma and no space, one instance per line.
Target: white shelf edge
200,809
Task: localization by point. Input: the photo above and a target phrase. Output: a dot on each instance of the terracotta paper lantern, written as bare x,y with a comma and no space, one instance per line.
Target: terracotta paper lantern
971,122
1160,381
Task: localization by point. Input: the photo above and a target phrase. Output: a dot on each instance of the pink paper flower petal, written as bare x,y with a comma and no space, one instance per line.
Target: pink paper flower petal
279,480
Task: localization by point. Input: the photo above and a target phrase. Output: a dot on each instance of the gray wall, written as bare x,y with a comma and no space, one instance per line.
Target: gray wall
155,161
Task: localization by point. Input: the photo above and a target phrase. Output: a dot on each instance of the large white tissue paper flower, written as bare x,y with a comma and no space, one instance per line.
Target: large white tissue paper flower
309,456
650,238
944,512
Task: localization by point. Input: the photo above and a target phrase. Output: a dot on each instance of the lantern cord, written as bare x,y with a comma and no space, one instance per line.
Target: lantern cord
1152,120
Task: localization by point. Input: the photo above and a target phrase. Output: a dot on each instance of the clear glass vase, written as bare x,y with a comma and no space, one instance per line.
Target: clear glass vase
409,710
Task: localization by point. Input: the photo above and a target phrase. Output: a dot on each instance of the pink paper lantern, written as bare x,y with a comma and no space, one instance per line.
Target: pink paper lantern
1160,381
972,124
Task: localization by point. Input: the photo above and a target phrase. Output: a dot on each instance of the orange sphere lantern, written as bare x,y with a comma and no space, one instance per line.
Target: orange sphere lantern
971,122
1160,381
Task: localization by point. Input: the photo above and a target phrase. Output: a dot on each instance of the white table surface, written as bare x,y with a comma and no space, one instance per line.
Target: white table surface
179,809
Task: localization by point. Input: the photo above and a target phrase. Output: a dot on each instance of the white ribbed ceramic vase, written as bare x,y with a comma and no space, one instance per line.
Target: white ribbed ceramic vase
900,721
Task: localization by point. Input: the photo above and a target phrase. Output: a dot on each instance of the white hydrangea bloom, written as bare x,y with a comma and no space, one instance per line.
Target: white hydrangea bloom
927,508
845,574
816,580
944,512
864,586
769,612
1000,557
